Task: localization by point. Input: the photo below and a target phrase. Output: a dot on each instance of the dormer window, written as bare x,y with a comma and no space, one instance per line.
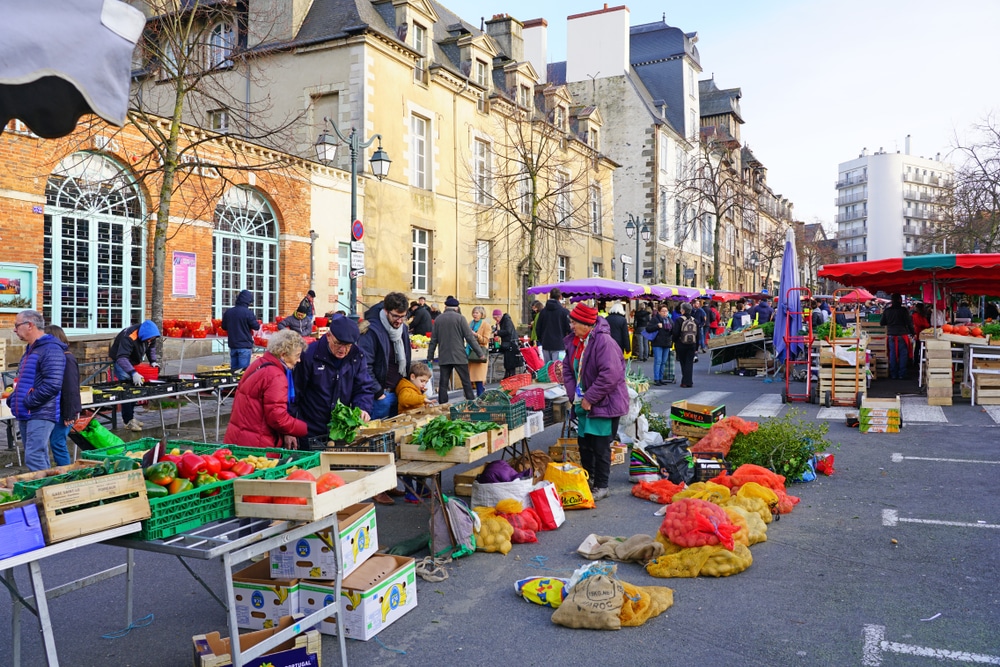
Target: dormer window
524,96
559,118
420,46
482,73
593,139
222,41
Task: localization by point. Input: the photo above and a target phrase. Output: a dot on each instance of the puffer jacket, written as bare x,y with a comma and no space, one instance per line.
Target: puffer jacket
39,381
321,380
552,325
377,348
70,404
260,415
302,327
602,373
619,331
240,322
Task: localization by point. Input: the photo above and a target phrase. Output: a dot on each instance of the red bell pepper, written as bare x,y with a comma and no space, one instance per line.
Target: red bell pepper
226,475
242,468
225,457
173,458
191,466
214,464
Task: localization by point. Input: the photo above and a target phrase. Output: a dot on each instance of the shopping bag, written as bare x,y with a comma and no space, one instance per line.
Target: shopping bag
548,506
100,437
571,482
489,494
463,525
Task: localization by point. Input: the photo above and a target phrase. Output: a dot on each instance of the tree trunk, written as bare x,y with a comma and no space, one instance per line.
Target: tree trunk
163,211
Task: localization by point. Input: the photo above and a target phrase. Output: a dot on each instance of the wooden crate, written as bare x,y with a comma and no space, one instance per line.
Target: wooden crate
986,380
365,474
572,451
939,392
464,480
750,335
212,369
63,511
474,448
940,401
517,433
499,438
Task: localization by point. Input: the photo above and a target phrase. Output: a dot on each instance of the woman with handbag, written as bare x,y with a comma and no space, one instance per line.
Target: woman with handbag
660,325
505,334
477,365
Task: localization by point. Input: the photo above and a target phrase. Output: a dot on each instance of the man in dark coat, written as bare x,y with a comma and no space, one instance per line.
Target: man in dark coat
898,328
420,319
762,312
240,323
130,347
552,327
35,400
386,346
332,368
618,326
701,317
685,344
450,336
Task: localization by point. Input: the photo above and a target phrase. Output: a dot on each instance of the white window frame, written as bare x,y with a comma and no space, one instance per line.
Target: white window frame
562,203
420,46
559,118
596,269
420,176
595,139
482,269
562,268
662,233
524,190
218,120
482,73
420,255
524,95
221,44
481,164
596,211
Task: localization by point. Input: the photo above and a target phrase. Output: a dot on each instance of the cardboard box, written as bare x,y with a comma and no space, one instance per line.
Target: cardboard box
373,597
211,650
314,556
693,412
86,395
261,601
535,423
619,454
693,433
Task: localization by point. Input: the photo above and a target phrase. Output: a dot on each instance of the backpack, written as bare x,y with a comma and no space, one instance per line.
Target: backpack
689,331
464,522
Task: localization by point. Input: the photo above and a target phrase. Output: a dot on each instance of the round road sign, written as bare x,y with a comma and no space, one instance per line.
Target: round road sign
357,230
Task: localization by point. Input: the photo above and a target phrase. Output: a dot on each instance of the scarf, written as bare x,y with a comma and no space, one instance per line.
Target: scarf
475,324
396,338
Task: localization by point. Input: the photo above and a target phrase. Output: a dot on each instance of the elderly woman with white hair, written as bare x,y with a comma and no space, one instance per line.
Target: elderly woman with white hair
619,326
260,416
477,369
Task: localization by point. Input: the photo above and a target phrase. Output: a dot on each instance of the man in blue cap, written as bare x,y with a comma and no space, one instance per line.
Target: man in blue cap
332,368
127,351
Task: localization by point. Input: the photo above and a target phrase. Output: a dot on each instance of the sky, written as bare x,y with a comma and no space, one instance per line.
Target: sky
823,79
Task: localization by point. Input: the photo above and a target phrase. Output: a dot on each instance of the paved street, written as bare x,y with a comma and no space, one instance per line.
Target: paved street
891,561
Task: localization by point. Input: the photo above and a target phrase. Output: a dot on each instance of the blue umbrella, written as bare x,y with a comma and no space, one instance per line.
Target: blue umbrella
788,304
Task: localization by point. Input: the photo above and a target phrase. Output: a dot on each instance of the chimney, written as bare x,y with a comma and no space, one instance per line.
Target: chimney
536,46
907,144
597,44
507,31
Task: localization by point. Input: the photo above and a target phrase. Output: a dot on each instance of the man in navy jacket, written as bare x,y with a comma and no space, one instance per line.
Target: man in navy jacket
35,400
240,323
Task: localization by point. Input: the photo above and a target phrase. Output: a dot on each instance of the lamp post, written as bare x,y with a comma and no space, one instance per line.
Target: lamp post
754,263
326,152
638,228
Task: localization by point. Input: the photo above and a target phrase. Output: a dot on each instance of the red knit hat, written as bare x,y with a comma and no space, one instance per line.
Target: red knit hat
584,314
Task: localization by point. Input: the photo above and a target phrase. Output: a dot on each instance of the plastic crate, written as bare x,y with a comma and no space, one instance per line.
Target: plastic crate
515,382
534,398
383,442
709,466
493,406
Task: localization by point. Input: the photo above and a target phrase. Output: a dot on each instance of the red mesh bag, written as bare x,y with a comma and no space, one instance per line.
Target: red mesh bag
661,491
691,522
719,438
526,524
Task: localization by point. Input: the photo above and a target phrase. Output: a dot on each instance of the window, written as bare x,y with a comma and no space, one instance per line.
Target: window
420,46
562,268
596,270
691,82
559,118
693,123
595,210
525,190
418,152
562,198
218,121
481,171
483,269
421,259
595,139
678,224
221,42
524,96
168,60
482,74
664,154
662,234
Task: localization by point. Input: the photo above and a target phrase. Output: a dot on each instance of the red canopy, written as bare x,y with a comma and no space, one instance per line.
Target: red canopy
971,274
859,295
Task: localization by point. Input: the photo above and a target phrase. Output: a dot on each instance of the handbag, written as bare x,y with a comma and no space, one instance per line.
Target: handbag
548,507
475,358
649,335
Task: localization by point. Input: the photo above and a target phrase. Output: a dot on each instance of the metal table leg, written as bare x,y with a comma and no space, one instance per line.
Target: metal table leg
42,605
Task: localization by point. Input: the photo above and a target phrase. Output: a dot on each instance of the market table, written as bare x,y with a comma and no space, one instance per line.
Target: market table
185,342
192,396
723,354
237,540
41,596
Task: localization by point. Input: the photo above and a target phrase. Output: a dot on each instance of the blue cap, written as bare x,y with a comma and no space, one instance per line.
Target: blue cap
344,329
148,330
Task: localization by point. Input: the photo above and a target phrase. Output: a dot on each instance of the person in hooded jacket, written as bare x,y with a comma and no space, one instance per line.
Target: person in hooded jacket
594,377
299,321
660,325
619,326
35,399
70,404
260,416
240,323
505,333
386,346
129,348
332,368
552,326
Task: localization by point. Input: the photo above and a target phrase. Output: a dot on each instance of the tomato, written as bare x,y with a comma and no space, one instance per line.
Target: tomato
281,500
258,499
946,328
976,331
301,475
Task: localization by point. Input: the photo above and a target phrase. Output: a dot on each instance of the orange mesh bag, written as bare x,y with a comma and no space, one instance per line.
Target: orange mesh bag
641,603
660,491
690,522
749,472
720,437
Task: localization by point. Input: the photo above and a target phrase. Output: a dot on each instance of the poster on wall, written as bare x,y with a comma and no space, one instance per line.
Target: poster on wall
185,273
17,287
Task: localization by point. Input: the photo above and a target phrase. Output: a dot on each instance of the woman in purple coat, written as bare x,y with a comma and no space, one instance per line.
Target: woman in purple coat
594,375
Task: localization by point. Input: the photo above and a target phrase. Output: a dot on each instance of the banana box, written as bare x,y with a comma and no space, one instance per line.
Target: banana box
260,600
314,556
373,597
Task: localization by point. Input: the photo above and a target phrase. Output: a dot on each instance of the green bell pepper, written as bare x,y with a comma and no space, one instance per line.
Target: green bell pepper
162,473
154,491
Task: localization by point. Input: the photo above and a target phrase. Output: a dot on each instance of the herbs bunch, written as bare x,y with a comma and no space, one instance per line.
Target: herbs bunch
442,434
344,423
783,444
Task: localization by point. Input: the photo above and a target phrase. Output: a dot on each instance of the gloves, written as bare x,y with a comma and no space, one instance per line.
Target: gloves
430,364
137,379
155,364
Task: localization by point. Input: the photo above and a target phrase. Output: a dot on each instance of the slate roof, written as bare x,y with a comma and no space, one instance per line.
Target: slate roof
717,102
656,52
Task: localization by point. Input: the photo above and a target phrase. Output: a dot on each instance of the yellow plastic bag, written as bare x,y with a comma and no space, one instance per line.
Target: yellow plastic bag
571,483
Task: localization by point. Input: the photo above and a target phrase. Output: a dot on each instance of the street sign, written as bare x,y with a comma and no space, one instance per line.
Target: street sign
688,274
358,272
357,260
626,259
358,246
647,273
357,230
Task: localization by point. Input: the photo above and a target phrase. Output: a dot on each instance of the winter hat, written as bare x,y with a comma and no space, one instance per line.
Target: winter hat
584,314
148,330
344,329
303,308
451,302
497,312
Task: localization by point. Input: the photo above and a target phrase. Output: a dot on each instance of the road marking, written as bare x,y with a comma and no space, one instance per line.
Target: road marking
839,413
892,518
708,397
875,645
899,458
993,411
916,410
767,405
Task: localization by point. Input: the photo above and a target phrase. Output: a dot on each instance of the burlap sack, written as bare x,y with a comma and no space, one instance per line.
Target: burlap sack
594,603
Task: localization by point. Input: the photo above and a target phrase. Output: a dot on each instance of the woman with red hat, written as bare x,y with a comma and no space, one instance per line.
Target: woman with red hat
594,376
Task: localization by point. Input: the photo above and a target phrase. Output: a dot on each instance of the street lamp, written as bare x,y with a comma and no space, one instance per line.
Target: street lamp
754,263
632,228
326,151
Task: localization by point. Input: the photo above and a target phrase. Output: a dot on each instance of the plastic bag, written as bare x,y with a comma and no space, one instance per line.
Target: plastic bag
464,524
571,482
547,505
100,437
674,459
523,519
546,591
488,495
642,467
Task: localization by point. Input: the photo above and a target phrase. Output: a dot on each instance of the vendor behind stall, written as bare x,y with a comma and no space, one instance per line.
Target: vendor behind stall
899,327
127,350
299,321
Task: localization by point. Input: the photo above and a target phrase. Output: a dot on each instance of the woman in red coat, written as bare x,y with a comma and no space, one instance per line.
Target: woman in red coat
260,416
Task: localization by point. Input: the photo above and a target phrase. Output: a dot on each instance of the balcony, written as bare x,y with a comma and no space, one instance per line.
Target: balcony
847,217
913,177
853,249
852,180
851,199
911,229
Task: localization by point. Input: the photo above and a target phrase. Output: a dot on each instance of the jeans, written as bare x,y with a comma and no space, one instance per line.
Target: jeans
663,364
445,377
35,436
239,358
57,441
640,347
384,407
480,388
128,409
553,355
899,356
702,336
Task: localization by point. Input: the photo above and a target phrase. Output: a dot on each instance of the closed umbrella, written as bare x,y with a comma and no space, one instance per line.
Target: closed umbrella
788,303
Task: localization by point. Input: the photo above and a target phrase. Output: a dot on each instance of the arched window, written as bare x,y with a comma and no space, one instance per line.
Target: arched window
94,259
221,42
245,252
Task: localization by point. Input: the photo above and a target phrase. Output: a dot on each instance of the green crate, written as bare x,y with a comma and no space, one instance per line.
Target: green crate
189,510
493,406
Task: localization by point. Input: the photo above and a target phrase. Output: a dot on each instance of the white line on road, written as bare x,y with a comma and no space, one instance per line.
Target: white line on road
838,413
915,409
767,405
875,645
899,458
892,518
993,411
708,397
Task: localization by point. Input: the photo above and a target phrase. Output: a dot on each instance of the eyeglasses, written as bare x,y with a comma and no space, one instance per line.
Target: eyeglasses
395,317
337,345
18,324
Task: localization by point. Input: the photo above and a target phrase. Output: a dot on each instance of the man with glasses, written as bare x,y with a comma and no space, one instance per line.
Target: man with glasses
386,346
332,368
35,400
